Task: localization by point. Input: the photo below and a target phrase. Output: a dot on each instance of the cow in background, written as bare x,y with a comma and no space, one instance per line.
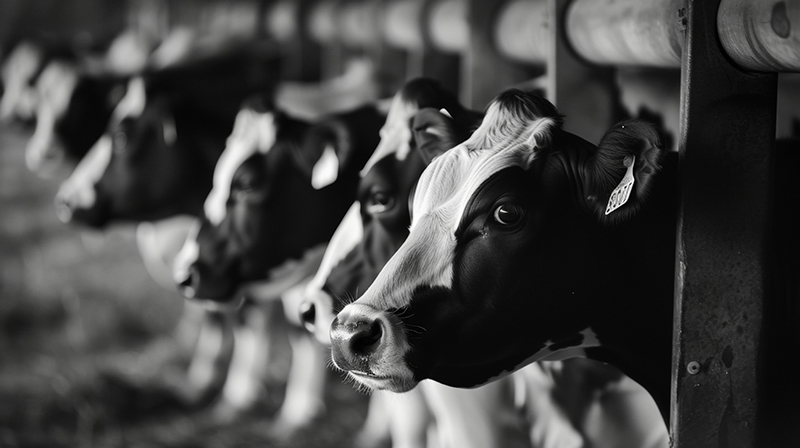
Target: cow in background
158,153
154,166
279,190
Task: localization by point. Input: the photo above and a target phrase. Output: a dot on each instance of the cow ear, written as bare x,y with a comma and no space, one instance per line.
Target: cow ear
622,171
433,132
325,150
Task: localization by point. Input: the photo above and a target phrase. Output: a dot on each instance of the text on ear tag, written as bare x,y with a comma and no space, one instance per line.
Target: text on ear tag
326,170
622,193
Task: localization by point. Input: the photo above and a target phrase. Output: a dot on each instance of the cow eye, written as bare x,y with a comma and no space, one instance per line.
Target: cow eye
508,214
245,183
379,202
120,141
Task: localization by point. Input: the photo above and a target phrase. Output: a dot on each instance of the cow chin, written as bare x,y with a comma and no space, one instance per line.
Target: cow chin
391,384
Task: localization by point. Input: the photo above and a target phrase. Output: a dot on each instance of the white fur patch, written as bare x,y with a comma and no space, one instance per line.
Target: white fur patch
349,233
326,170
20,66
133,103
78,190
54,88
395,133
547,354
187,256
252,132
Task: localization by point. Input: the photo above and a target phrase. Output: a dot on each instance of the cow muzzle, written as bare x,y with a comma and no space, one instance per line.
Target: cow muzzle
316,314
370,345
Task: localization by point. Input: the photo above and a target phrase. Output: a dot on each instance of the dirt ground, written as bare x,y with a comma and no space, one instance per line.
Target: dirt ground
86,337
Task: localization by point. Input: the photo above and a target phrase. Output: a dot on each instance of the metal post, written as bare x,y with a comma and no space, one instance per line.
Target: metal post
728,129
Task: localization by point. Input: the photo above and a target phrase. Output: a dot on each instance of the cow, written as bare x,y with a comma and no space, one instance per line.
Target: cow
76,96
72,111
158,153
527,243
277,195
585,391
273,204
381,217
18,71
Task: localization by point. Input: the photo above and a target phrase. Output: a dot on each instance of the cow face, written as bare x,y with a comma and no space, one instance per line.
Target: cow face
481,286
363,244
154,161
72,113
19,95
414,132
280,202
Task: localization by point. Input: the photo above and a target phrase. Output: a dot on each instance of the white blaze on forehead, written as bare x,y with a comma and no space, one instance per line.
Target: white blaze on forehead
443,192
188,254
18,69
252,132
132,104
349,233
502,141
395,133
55,87
56,84
78,189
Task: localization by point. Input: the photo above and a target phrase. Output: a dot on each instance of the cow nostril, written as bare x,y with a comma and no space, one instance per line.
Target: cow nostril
366,338
308,315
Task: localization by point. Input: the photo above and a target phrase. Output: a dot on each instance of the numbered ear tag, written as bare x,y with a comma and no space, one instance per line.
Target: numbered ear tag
326,170
622,193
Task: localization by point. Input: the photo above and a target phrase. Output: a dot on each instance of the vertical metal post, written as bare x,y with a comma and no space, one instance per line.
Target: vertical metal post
728,128
585,92
485,72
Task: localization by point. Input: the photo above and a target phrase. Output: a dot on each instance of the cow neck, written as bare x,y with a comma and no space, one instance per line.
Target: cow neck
633,313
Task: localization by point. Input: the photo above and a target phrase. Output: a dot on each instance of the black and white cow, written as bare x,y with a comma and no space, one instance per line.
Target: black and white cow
414,132
158,153
527,243
280,188
593,405
276,199
72,111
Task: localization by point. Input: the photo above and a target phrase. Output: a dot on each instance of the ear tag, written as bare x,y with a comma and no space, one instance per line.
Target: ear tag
622,193
326,170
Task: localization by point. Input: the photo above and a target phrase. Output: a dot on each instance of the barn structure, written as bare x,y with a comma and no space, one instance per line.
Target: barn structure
718,75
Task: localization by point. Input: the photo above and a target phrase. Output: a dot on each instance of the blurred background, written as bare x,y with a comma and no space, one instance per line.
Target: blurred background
92,345
88,346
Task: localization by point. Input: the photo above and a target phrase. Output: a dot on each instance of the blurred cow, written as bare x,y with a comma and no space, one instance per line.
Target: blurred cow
280,188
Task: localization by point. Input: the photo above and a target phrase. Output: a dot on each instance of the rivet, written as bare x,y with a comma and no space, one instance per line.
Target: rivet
693,367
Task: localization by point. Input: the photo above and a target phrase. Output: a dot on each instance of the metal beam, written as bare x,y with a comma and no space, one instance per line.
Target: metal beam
728,128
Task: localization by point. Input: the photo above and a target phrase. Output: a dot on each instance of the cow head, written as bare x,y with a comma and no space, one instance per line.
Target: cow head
163,140
279,190
19,95
72,112
154,161
418,128
511,257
